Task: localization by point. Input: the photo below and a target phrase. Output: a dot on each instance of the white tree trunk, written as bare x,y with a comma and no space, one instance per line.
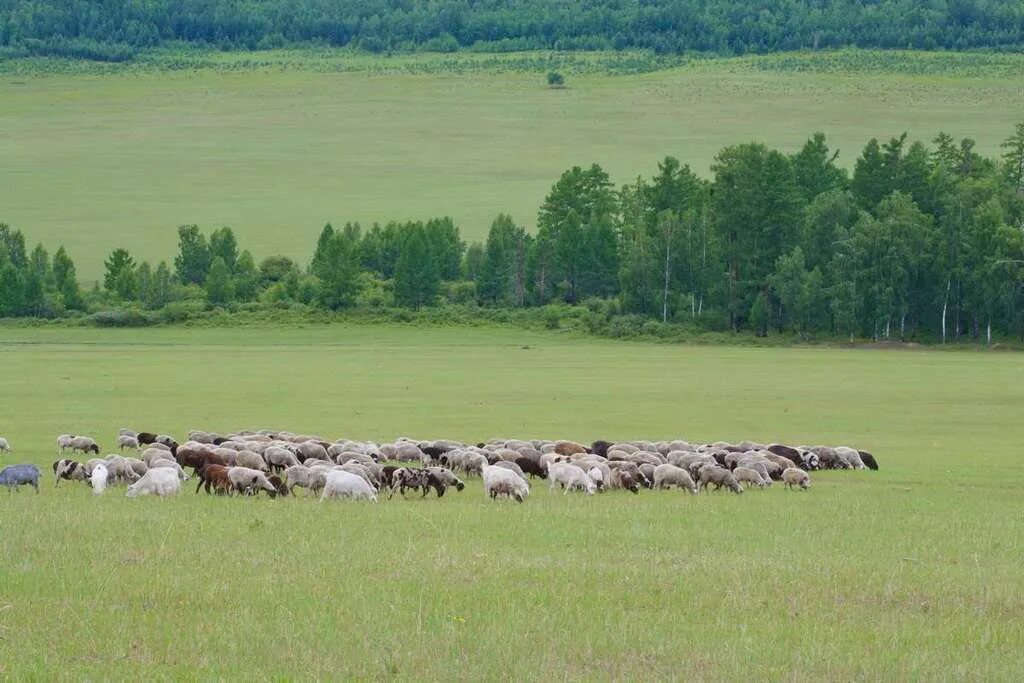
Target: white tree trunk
988,332
664,295
945,307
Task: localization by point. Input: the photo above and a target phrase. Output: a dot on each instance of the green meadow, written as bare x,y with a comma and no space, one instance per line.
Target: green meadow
912,572
276,144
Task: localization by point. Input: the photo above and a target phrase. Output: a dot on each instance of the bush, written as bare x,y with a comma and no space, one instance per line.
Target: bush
120,317
180,311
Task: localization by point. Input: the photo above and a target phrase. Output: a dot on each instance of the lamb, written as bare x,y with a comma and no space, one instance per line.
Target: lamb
84,444
341,484
98,480
14,476
499,481
571,478
161,481
5,445
794,476
667,476
719,477
300,475
751,476
278,485
216,477
125,441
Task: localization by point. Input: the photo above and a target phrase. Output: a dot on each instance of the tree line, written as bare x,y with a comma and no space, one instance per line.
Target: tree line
116,29
918,242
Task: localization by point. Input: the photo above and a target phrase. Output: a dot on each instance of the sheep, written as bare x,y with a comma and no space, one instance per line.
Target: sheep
119,468
569,448
341,484
300,475
98,479
279,486
249,481
253,461
216,477
600,447
280,458
124,431
404,478
441,478
571,478
64,442
500,481
668,475
794,476
84,444
851,457
124,441
14,476
146,438
597,475
160,481
371,477
764,468
622,479
310,449
531,467
751,476
719,477
72,470
5,445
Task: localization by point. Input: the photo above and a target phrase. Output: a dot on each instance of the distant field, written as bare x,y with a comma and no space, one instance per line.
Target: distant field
275,146
909,573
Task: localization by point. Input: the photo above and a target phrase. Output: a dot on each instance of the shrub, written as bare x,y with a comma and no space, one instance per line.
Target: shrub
120,317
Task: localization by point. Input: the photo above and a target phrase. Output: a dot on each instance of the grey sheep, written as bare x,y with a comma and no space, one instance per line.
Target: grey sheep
794,476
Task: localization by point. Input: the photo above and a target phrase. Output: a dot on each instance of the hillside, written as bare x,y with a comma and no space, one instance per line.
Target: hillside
117,29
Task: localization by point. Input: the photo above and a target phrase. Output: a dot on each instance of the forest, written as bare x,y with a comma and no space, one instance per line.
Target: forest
918,243
116,30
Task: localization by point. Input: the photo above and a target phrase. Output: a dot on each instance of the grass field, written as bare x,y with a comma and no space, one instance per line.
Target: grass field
909,573
275,147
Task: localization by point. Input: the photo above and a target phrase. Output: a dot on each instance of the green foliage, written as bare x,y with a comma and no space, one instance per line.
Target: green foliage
417,275
119,276
555,80
218,283
336,266
194,257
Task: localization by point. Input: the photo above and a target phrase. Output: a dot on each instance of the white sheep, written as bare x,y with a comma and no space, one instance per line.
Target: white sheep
253,461
161,481
5,445
84,444
342,484
126,441
571,477
249,481
500,481
64,442
300,475
98,479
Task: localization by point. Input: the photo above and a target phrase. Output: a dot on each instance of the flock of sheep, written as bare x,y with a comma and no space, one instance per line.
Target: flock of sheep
274,462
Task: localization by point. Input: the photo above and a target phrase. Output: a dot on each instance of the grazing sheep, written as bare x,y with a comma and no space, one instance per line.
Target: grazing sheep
14,476
371,477
531,467
440,478
64,442
249,481
342,484
98,479
499,481
124,431
404,478
597,475
851,457
125,441
146,438
794,476
5,445
600,447
84,444
750,476
215,477
120,469
279,486
280,458
619,478
719,477
571,478
310,449
668,475
72,470
569,448
160,481
302,476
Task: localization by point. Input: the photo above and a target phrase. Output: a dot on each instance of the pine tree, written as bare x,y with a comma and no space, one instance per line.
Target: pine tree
338,272
218,283
417,278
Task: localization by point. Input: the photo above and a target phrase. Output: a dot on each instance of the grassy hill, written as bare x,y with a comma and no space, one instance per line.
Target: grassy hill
277,144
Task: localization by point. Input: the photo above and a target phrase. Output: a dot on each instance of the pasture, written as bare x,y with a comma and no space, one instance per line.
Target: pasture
909,573
276,145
